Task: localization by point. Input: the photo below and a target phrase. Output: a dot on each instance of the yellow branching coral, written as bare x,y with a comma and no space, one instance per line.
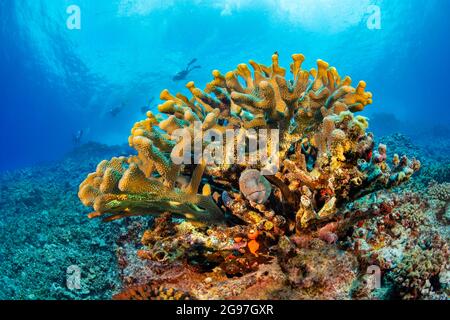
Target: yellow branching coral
327,156
121,189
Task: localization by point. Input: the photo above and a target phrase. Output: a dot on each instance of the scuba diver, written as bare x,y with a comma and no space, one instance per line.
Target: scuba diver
184,73
76,137
146,108
113,112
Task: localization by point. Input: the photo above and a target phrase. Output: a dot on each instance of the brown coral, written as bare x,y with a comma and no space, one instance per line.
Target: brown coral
414,275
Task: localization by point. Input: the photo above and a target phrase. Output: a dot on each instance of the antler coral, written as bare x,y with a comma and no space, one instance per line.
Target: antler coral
328,158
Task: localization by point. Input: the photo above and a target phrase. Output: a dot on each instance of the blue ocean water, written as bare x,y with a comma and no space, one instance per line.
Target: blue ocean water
55,81
101,76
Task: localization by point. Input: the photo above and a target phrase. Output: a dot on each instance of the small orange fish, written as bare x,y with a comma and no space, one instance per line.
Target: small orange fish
253,246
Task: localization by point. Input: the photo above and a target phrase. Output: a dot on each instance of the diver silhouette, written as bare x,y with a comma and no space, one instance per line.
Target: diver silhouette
114,111
181,75
76,137
146,108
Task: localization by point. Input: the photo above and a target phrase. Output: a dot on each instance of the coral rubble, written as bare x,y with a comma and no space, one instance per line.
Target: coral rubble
228,219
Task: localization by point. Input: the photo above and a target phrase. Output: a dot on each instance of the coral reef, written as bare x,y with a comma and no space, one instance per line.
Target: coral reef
421,270
328,159
406,229
42,233
228,219
318,270
409,246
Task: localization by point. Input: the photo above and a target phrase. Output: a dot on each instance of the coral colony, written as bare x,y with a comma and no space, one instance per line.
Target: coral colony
254,175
